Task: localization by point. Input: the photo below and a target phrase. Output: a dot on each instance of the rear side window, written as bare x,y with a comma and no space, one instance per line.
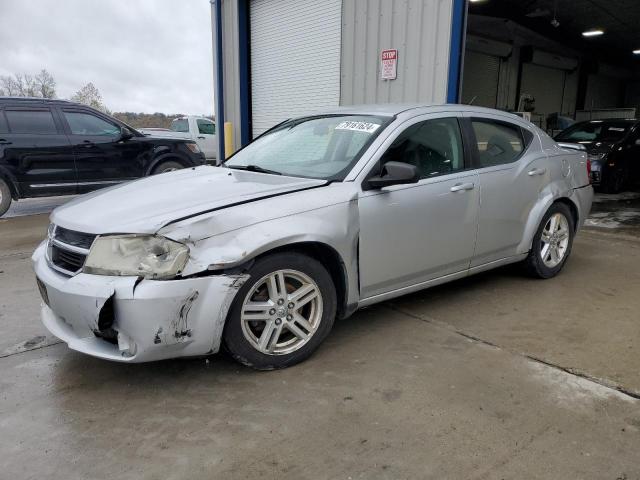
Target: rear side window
206,127
82,123
499,143
35,122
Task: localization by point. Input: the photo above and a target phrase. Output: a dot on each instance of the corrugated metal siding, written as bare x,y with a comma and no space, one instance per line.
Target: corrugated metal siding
295,58
419,29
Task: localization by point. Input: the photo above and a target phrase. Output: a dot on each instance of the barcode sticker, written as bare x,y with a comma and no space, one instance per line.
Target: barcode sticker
358,126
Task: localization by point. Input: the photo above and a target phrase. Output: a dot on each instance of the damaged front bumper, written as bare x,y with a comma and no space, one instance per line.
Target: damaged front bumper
128,320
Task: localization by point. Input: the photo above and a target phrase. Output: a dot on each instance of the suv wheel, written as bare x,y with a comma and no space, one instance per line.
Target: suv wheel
282,313
552,242
168,166
5,197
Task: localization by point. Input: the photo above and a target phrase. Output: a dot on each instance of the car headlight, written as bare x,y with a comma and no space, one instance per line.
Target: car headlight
193,147
148,256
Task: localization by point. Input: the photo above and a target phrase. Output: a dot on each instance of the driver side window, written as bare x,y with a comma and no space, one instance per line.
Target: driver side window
433,146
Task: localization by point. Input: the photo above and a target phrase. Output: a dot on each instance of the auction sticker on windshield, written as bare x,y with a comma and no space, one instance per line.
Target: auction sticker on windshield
366,127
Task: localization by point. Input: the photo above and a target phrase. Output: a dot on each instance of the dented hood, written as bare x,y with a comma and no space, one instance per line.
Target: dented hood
146,205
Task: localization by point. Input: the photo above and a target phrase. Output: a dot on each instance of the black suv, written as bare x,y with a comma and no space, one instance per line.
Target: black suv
55,147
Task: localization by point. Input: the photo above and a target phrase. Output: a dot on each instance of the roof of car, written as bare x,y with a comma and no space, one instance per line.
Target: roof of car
35,100
387,109
611,120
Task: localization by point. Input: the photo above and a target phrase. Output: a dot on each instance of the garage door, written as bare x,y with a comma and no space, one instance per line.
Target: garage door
546,85
295,58
480,82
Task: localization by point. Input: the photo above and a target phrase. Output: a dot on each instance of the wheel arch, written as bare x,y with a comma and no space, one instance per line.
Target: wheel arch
327,256
11,182
166,157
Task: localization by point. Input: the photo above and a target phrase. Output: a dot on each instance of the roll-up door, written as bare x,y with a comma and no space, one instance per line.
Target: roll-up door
295,58
546,85
480,82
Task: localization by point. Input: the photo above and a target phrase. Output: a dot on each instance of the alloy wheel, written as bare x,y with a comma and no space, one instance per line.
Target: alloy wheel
281,312
554,240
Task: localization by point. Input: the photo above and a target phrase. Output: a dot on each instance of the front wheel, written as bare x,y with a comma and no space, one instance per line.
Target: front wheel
5,197
168,166
552,242
282,313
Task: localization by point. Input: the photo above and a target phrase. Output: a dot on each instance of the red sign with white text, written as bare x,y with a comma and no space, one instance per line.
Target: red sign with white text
389,64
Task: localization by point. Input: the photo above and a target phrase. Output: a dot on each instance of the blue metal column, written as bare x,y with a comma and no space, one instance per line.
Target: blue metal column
245,72
456,50
216,13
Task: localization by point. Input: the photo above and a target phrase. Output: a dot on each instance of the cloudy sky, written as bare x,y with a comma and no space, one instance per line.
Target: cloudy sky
143,55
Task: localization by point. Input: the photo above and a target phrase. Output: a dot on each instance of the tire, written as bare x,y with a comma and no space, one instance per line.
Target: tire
558,221
613,182
167,166
297,321
5,197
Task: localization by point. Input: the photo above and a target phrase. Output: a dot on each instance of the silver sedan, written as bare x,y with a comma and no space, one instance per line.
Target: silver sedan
318,217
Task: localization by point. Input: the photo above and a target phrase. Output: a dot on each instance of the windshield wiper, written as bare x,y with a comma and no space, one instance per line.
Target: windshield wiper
253,168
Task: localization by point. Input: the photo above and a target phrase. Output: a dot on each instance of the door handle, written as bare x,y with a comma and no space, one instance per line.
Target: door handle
88,143
537,171
200,138
4,142
458,187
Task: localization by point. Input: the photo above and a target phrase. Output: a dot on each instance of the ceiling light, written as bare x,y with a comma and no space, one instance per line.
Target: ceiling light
636,52
592,33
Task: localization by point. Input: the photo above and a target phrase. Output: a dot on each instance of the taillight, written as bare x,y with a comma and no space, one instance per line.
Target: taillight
589,169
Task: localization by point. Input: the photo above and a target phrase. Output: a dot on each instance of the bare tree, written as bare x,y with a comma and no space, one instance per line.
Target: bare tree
90,95
45,84
25,85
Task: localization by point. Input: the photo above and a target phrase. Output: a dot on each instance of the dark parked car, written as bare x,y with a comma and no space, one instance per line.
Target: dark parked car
614,150
55,147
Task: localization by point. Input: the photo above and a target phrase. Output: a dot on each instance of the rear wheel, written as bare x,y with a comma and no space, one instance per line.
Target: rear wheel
282,313
168,166
552,242
5,197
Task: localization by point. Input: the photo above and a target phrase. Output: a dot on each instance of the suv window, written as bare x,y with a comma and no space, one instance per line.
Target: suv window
206,127
434,146
82,123
498,142
35,122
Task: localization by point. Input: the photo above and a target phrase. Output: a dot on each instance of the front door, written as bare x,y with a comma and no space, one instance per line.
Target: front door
38,152
102,158
414,233
206,137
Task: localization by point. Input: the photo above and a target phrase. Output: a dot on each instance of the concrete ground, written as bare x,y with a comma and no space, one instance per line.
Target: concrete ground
495,376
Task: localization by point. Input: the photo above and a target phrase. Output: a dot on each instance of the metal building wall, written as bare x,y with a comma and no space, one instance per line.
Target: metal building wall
421,32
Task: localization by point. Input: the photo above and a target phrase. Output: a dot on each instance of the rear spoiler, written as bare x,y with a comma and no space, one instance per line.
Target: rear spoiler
572,146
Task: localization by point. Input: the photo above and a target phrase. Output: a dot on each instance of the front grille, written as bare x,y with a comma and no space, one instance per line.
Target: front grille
77,239
66,259
68,249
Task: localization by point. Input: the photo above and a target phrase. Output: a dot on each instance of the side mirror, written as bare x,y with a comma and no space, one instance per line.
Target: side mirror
395,173
125,133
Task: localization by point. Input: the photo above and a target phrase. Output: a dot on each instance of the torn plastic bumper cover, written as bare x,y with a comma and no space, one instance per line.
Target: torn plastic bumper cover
123,319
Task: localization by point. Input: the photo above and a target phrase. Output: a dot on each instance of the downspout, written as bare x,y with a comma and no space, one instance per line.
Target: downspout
218,82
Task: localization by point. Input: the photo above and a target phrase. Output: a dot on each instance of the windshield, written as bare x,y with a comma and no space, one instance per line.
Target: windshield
316,147
595,132
180,125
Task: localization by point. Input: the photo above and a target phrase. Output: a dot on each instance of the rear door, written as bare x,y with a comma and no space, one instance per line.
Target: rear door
37,151
102,157
206,137
512,173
